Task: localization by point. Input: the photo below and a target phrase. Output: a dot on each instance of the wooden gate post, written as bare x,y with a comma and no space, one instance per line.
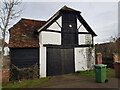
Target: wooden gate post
116,57
99,58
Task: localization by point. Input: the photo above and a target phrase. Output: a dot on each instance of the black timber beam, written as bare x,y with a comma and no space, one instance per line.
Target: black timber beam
50,23
68,46
51,31
65,32
84,23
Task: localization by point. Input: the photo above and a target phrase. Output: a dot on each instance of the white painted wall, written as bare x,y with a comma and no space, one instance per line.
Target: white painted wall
78,24
88,39
84,39
42,62
82,29
55,26
81,39
82,60
50,38
91,59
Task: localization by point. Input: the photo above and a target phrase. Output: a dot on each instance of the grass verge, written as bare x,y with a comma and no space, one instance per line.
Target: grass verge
109,73
25,84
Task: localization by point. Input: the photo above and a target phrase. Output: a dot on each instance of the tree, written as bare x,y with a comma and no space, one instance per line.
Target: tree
8,12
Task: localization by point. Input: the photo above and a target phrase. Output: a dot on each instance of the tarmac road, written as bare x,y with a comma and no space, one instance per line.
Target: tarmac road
75,81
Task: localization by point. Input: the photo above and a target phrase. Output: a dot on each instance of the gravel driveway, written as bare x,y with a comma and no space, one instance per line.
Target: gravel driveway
75,81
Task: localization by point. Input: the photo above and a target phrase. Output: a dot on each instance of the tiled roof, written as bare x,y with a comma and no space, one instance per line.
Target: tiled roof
24,33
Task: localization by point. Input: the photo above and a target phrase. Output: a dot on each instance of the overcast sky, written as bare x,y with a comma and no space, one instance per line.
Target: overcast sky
101,16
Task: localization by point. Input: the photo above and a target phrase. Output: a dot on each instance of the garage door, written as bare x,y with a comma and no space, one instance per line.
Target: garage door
60,61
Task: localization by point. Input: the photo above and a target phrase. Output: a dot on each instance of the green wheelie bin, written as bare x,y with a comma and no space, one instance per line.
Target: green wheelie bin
100,73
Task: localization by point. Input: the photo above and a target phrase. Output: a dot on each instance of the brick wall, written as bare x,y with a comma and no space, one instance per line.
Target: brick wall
5,72
6,62
5,75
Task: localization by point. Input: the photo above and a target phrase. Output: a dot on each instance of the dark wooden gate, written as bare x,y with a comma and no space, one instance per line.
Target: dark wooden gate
60,61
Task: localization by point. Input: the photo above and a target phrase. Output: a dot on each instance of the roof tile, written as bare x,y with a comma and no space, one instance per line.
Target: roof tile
24,33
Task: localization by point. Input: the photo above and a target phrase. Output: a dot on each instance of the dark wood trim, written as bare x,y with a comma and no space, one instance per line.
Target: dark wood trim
51,22
21,47
58,24
79,27
84,33
86,45
92,40
66,32
67,46
88,28
51,31
46,61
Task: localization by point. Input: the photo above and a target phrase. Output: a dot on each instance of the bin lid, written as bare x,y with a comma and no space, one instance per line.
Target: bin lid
100,65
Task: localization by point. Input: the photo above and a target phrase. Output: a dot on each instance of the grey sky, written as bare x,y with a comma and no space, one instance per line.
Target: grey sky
101,16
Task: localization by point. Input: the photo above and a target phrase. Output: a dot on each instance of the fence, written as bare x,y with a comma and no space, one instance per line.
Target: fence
109,61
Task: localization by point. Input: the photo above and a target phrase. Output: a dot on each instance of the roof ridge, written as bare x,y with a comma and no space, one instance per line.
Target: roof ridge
32,19
68,9
58,12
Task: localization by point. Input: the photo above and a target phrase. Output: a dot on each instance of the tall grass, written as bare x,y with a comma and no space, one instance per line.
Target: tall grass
109,73
25,84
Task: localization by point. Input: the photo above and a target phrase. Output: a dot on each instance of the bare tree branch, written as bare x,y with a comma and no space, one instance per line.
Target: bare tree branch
7,13
1,27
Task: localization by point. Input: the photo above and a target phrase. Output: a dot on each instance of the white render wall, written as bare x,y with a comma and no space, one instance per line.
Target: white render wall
42,62
50,38
55,26
91,59
82,59
47,37
55,38
84,39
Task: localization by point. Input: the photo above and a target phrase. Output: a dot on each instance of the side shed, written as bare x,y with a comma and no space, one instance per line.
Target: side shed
24,43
